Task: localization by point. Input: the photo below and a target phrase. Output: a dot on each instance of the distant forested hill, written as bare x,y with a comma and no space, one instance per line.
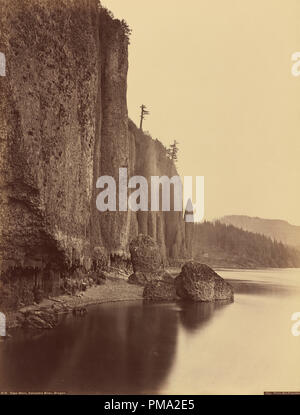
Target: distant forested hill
276,229
219,244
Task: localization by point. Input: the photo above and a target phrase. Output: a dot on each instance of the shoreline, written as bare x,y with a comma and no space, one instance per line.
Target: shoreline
113,290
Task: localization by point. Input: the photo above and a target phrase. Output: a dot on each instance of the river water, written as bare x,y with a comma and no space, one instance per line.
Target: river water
175,348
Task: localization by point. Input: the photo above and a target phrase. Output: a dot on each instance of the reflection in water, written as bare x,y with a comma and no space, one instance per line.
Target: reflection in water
125,348
262,288
132,348
195,316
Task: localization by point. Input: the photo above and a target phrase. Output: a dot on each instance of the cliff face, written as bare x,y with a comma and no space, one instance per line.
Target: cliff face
63,124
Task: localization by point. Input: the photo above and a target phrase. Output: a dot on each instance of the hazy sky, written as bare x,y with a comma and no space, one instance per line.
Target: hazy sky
216,76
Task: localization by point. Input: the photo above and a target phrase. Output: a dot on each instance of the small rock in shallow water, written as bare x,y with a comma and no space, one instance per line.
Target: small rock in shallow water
79,311
146,262
40,319
160,291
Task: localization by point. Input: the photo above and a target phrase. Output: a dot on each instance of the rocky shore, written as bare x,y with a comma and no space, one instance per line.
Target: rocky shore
150,281
45,315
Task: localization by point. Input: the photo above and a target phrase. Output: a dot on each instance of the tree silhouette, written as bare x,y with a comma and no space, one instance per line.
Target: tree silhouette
242,247
172,151
144,112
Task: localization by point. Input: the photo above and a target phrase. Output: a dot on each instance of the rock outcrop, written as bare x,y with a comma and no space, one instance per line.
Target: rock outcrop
63,124
145,254
146,261
198,282
160,291
39,319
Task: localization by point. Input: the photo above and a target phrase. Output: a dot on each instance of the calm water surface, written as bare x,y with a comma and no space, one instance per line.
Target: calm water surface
243,347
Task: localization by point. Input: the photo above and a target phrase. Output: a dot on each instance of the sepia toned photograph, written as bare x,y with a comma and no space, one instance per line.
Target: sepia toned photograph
149,200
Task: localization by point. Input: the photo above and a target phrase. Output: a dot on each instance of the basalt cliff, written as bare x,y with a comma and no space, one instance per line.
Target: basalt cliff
63,124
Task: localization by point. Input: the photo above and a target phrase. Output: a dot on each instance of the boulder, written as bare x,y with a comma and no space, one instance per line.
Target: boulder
145,254
79,311
146,261
143,278
198,282
160,291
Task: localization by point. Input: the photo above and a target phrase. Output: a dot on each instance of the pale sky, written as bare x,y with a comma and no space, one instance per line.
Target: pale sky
216,76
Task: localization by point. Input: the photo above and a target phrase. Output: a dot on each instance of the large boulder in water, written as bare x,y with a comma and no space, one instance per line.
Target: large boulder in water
198,282
146,261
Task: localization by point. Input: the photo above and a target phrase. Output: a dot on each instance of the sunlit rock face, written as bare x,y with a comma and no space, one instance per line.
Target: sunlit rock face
198,282
63,124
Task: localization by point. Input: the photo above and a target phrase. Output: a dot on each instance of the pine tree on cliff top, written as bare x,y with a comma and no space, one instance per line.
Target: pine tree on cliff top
172,151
